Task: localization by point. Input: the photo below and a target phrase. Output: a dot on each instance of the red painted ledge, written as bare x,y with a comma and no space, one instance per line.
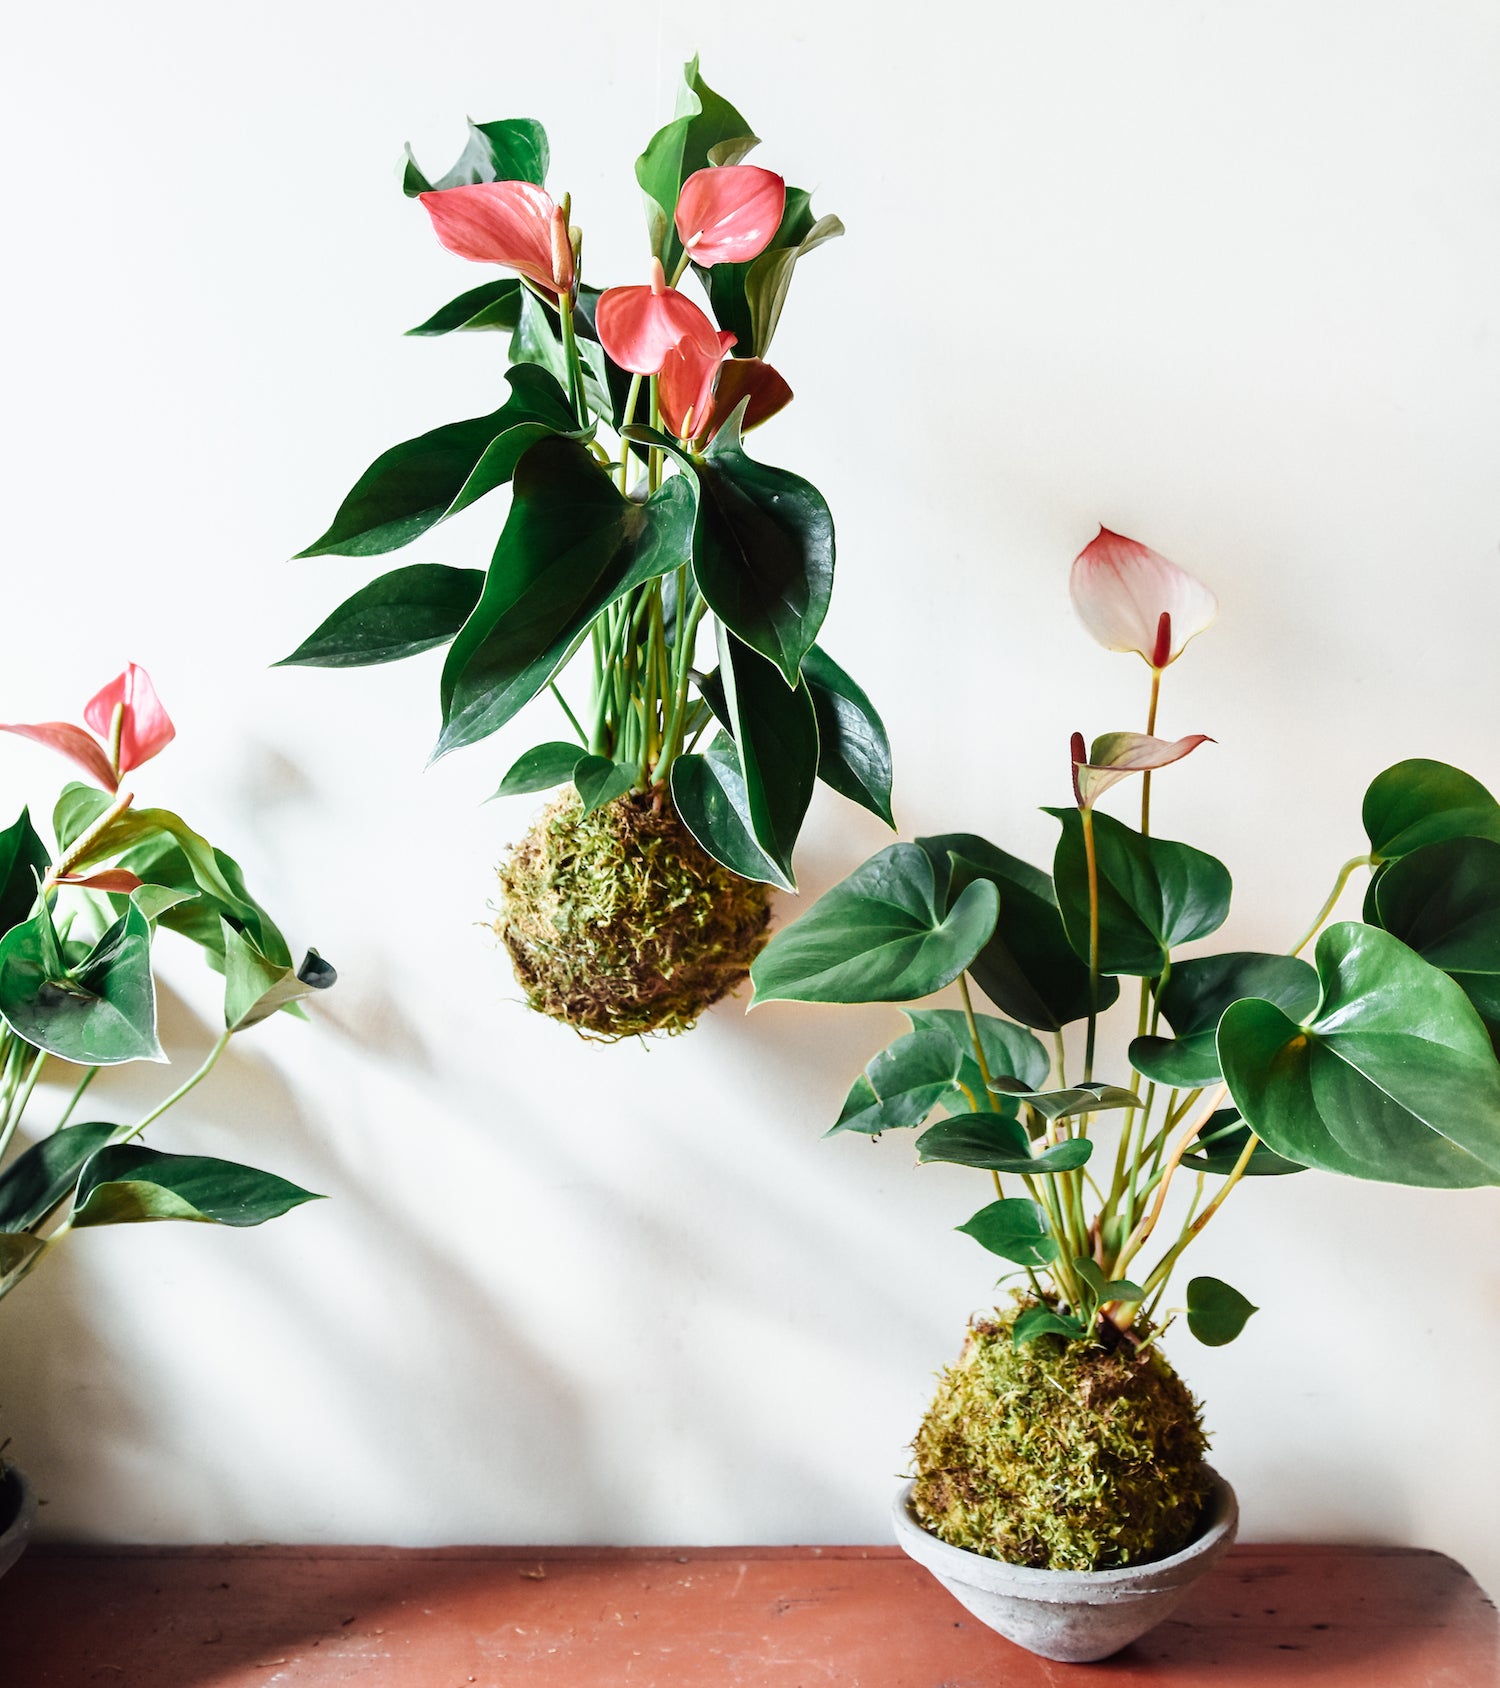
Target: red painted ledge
808,1617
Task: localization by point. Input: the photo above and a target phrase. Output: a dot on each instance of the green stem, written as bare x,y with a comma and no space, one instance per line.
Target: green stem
1092,860
1328,905
573,721
221,1043
575,365
77,1096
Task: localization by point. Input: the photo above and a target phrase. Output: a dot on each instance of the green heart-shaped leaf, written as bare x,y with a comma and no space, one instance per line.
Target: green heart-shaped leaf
129,1184
1221,1141
854,754
40,1179
399,615
1421,802
1153,894
1393,1078
599,781
1217,1312
1443,901
1195,995
902,1085
23,856
1016,1229
493,305
1042,1321
877,936
997,1143
541,768
708,793
1009,1052
514,149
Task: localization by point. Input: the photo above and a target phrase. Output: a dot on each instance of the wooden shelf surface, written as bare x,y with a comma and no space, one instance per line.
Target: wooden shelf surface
286,1617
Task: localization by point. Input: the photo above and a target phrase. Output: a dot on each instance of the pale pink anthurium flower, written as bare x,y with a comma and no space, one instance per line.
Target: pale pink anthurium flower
129,719
515,224
729,213
639,326
1131,598
1113,756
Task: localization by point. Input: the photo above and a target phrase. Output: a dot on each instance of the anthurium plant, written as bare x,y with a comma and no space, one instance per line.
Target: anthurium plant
639,537
1374,1059
78,926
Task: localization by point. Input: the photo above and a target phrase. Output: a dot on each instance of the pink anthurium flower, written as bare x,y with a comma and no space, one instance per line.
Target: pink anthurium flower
640,326
126,714
515,224
1114,756
1131,598
686,389
729,213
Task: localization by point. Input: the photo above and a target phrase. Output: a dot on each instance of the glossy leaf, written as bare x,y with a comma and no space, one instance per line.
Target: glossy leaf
1153,894
415,485
23,857
1042,1321
401,614
492,305
1072,1101
16,1251
1106,1289
1015,1229
775,731
1421,802
1393,1078
600,781
1217,1312
1009,1052
1028,969
40,1179
99,1011
129,1184
1221,1142
514,149
854,754
1443,901
708,793
255,987
902,1085
877,936
1195,995
1114,756
705,130
997,1143
571,546
762,552
542,768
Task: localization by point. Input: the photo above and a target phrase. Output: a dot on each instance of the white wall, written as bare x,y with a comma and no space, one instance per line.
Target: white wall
1221,277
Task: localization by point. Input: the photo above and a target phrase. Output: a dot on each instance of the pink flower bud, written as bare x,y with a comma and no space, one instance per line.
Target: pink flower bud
1131,598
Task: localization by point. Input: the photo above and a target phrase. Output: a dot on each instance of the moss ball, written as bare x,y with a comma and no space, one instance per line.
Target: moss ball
619,923
1060,1455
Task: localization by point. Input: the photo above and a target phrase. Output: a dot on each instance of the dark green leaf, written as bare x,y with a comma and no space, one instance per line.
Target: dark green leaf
1106,1289
100,1011
1217,1313
1067,1103
514,149
1042,1321
902,1085
1221,1142
997,1143
1153,894
16,1249
254,986
763,551
708,793
494,305
541,768
414,485
747,298
600,781
1421,802
705,130
1028,968
854,754
1009,1052
1197,992
1392,1079
22,857
1015,1229
404,612
877,936
571,546
1443,900
38,1180
775,731
129,1184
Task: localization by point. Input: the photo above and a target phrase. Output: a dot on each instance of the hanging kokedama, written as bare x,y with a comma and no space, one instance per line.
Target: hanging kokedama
640,536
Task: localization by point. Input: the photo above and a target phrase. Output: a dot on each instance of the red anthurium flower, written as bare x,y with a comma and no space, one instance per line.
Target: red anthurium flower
741,378
515,224
639,326
1133,599
728,213
145,728
686,388
1113,756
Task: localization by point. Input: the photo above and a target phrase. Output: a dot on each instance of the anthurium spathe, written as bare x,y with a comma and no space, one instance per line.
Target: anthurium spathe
515,224
641,326
729,214
131,724
1131,598
1114,756
686,387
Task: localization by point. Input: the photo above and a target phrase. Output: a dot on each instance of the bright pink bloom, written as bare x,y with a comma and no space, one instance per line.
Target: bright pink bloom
1113,756
729,213
145,727
1131,598
686,388
515,224
639,326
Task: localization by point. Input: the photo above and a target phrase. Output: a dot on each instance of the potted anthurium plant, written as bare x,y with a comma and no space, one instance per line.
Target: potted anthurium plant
1059,1480
78,922
640,535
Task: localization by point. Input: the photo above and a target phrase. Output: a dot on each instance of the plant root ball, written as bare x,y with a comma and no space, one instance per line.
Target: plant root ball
619,923
1060,1455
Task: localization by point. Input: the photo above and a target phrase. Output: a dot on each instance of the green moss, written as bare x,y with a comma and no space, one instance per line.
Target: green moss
618,923
1060,1455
